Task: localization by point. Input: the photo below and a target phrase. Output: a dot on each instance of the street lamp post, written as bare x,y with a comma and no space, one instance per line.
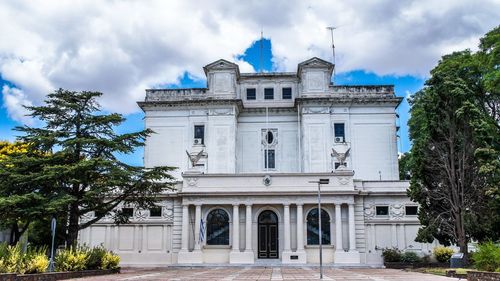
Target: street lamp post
320,233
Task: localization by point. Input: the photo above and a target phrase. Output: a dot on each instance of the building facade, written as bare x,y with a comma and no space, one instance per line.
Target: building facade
249,150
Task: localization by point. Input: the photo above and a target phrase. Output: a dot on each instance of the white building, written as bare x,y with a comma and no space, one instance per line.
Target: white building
262,139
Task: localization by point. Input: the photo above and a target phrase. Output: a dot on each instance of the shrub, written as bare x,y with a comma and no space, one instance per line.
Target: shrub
95,257
410,257
12,259
442,254
391,255
37,261
110,261
487,258
72,259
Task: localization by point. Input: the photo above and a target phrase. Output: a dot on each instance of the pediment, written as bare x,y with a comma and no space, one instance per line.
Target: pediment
221,64
315,62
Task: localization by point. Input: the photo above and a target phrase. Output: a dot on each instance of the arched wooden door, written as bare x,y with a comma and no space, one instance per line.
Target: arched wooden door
268,235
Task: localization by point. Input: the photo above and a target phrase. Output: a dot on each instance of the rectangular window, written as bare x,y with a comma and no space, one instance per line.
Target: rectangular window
199,134
287,93
129,212
411,210
339,130
251,94
155,212
268,93
382,210
269,159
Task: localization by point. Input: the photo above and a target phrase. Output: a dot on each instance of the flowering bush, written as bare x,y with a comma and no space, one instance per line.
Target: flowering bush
72,259
110,261
442,254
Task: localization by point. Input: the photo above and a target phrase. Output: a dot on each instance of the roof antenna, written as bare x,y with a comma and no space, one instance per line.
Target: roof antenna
261,49
332,28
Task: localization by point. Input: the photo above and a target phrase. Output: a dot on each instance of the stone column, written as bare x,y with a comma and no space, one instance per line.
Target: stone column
338,228
236,228
248,229
352,228
197,222
300,228
286,246
185,228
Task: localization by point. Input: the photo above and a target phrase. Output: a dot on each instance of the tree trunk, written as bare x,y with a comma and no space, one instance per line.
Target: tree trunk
15,234
72,237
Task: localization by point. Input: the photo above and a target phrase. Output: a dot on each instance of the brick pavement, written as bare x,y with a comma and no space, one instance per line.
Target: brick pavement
266,273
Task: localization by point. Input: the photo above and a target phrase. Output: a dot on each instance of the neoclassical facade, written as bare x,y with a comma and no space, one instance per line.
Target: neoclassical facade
249,150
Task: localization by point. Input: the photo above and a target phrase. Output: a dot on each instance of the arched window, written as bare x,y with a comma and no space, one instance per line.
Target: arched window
313,227
218,227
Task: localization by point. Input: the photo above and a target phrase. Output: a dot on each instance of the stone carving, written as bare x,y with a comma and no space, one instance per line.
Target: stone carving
221,111
140,215
194,158
341,157
192,182
370,212
269,137
343,180
316,110
397,211
267,180
168,213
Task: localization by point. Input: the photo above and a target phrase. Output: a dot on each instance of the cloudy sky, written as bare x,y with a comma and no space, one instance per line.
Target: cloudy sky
122,47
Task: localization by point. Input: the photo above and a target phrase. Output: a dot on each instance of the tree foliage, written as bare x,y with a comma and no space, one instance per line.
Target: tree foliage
454,127
24,196
80,167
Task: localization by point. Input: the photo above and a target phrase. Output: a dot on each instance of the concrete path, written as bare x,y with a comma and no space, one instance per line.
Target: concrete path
268,273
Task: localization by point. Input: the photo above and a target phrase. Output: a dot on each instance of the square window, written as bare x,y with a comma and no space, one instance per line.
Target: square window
339,130
129,212
269,159
199,134
251,94
287,93
268,93
411,210
382,210
155,212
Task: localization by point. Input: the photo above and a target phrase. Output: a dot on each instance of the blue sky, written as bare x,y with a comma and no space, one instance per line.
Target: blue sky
404,85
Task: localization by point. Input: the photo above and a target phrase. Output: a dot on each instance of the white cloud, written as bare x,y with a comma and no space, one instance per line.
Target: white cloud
123,47
15,100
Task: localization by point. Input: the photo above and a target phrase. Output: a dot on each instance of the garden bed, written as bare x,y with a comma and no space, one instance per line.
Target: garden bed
52,276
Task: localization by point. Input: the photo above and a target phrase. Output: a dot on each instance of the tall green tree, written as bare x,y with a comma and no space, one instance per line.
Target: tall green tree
82,166
24,197
455,150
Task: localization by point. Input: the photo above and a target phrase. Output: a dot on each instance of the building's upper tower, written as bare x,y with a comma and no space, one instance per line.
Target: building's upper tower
273,122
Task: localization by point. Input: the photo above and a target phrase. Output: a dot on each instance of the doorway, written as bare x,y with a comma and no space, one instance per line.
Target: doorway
268,235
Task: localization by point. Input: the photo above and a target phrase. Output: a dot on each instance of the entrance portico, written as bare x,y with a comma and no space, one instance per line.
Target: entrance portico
269,225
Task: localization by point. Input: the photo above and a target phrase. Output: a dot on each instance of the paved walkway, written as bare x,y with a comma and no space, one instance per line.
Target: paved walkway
268,273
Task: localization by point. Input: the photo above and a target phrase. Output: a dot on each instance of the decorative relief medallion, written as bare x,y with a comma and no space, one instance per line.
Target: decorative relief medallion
370,212
140,215
192,182
267,180
396,211
168,213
